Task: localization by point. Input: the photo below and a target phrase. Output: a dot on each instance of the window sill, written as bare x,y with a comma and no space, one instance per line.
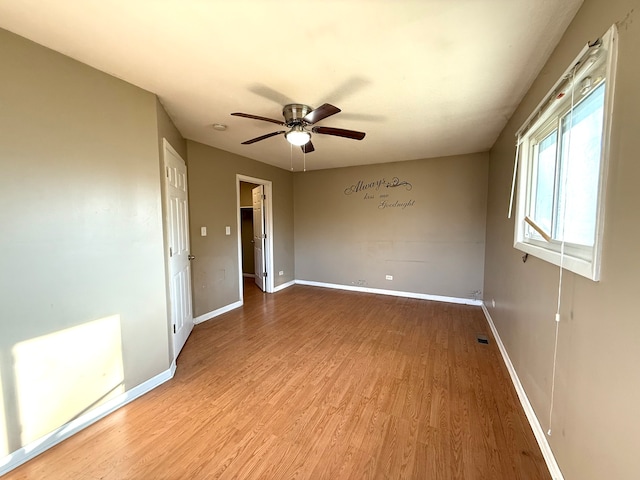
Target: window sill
574,264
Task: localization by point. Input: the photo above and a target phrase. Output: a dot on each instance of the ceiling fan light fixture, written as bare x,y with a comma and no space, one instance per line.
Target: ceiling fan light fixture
297,136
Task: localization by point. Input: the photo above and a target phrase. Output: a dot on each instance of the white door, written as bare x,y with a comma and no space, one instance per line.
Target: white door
177,212
259,236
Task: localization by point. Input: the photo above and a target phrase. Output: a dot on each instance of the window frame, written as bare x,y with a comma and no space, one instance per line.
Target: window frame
545,119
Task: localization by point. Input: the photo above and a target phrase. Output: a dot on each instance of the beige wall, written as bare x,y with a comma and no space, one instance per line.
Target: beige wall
82,285
166,129
433,245
596,416
213,204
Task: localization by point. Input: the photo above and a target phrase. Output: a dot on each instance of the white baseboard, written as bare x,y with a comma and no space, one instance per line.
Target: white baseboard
219,311
37,447
395,293
538,431
283,286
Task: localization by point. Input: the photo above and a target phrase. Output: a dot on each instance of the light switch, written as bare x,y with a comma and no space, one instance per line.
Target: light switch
203,231
227,230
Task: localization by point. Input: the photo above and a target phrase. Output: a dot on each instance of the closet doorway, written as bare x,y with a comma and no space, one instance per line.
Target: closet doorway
255,239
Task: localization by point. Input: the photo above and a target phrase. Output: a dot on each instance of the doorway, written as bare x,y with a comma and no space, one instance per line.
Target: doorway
255,228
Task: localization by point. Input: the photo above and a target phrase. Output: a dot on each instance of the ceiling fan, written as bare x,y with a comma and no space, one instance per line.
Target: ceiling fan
300,120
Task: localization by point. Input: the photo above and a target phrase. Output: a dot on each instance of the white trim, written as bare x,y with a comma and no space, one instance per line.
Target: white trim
284,285
218,312
395,293
588,262
567,261
541,438
26,453
268,229
166,147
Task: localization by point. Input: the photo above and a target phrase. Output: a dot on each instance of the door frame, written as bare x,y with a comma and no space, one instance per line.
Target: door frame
165,233
268,230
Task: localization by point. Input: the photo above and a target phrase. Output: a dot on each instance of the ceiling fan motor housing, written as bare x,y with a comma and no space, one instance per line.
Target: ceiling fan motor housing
294,113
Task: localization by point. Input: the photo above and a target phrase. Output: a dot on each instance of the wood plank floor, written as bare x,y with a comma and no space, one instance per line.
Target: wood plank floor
312,383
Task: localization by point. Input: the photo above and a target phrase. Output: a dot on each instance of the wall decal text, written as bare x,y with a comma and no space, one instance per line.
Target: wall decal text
362,186
397,204
378,189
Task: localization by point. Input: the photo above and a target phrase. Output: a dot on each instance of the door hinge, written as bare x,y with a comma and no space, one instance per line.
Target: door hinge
167,171
174,328
264,235
264,274
170,252
264,197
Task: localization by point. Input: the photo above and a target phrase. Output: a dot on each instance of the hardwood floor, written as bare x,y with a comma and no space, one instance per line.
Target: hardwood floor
312,383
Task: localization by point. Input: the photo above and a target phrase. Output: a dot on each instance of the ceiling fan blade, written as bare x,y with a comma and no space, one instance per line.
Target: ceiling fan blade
256,117
320,113
257,139
339,132
307,147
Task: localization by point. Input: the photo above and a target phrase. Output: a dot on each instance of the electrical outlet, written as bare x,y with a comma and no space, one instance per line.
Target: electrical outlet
281,272
493,303
389,277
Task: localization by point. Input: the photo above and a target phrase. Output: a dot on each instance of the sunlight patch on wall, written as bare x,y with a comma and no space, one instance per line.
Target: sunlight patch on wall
4,442
64,374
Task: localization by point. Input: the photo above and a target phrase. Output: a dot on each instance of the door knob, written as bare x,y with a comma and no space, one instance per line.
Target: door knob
191,257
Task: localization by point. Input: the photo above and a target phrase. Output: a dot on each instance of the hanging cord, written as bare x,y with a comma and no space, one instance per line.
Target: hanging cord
562,245
555,359
291,150
304,159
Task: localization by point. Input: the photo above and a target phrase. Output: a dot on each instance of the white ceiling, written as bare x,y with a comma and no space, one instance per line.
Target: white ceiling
423,78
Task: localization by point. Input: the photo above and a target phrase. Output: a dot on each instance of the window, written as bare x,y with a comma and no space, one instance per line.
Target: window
563,167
